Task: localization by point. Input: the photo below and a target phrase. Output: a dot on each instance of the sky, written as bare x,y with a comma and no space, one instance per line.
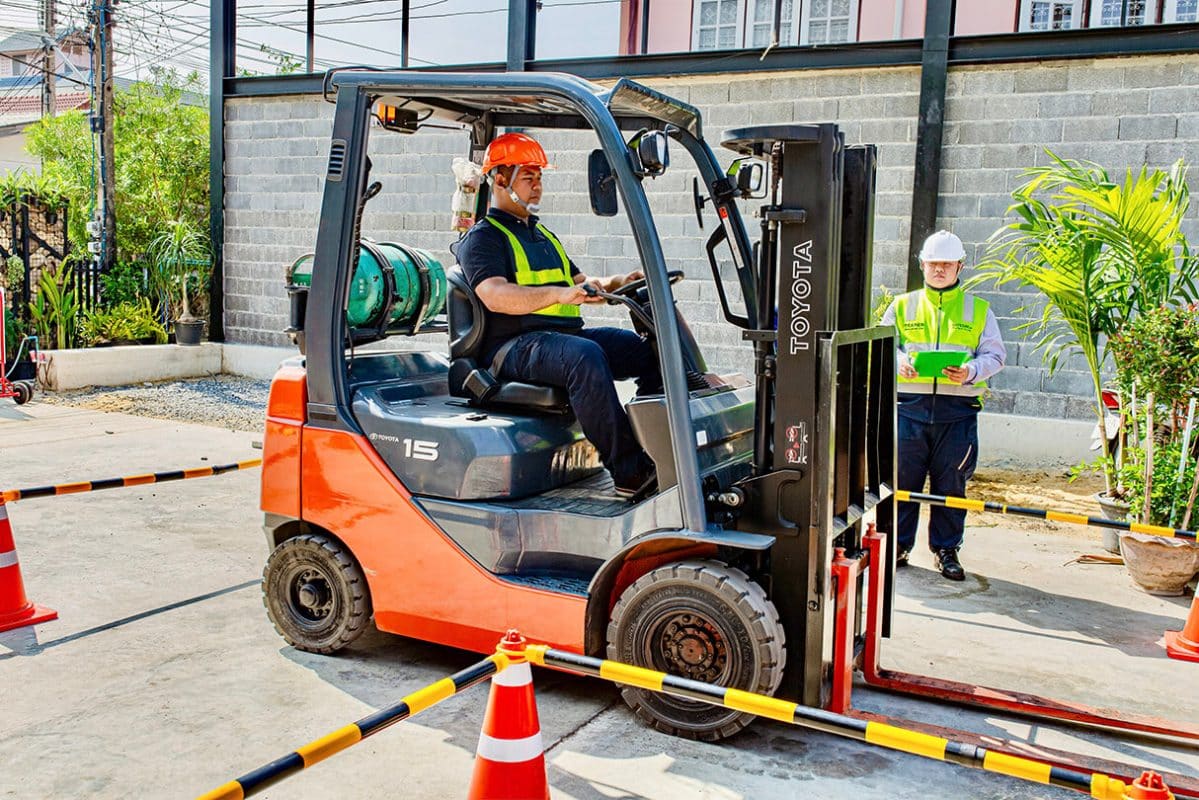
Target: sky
174,33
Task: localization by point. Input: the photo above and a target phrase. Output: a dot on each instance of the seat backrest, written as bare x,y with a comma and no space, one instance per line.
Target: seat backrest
464,311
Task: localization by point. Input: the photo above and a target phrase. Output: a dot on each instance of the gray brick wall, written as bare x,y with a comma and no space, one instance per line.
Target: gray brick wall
1118,112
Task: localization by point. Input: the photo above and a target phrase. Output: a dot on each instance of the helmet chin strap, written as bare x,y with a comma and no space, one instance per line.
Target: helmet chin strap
532,208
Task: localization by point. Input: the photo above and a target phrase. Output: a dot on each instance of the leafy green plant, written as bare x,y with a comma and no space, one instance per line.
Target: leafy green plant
14,274
1098,252
126,282
180,252
21,187
14,332
160,159
1169,490
130,321
1158,353
54,307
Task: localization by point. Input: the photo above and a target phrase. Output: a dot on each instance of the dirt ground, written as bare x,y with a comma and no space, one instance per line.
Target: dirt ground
1035,488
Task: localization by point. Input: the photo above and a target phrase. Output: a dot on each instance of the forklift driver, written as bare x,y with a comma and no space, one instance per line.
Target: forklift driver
532,292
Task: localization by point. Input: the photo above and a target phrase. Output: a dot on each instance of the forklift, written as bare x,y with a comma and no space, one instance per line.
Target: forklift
422,490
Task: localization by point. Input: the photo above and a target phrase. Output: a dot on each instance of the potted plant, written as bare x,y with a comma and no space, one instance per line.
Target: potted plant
1098,252
181,256
1157,357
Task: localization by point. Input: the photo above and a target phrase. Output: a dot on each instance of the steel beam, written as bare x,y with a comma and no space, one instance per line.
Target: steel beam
930,129
223,56
522,34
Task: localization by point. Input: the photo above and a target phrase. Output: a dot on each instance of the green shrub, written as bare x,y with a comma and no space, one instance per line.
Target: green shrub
125,283
122,323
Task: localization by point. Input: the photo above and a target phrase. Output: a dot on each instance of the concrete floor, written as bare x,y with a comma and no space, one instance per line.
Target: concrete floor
163,677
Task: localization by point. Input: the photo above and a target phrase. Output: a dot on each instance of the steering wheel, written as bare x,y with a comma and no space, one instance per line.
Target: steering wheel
632,288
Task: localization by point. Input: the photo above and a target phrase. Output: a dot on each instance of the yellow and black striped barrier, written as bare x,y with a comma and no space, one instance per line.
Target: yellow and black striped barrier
1039,513
350,735
922,744
12,495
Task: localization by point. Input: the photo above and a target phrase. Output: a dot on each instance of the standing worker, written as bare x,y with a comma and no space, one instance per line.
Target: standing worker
532,292
938,414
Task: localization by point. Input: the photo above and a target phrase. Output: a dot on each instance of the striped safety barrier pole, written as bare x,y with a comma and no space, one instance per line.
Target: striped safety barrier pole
12,495
922,744
1040,513
350,735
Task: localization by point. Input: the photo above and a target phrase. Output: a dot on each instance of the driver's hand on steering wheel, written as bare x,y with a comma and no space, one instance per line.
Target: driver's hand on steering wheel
617,281
598,285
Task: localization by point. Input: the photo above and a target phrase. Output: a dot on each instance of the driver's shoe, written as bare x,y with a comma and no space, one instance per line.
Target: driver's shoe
946,560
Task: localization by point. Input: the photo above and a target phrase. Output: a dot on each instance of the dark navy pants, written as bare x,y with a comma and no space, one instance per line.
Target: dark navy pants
585,363
945,453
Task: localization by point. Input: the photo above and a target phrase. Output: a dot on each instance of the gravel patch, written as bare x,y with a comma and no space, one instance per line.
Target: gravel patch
223,401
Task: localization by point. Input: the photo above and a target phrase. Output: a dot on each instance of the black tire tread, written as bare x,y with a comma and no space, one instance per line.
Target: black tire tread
357,601
735,588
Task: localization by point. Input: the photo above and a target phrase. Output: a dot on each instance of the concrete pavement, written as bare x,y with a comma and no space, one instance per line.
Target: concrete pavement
162,676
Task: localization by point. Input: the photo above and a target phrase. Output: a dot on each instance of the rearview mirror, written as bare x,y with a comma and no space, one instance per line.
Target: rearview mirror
653,152
748,174
601,184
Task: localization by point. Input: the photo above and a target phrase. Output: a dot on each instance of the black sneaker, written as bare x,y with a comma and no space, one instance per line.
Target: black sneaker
901,558
641,483
946,560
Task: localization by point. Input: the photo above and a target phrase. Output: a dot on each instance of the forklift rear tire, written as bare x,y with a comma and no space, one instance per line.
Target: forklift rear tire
702,620
315,594
23,392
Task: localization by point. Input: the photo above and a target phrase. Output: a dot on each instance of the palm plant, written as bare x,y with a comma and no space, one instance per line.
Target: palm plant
1099,252
177,248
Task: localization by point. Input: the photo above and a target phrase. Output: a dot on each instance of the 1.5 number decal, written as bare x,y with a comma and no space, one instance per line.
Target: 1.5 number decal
420,450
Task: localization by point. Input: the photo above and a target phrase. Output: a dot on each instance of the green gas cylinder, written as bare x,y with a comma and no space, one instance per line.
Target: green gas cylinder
392,280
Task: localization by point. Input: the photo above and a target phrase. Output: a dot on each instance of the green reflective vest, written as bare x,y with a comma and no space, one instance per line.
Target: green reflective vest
558,275
948,320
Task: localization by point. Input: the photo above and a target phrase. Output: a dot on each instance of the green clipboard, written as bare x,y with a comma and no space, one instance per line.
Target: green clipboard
929,363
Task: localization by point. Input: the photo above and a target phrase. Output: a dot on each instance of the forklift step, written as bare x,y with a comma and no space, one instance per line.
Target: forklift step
562,584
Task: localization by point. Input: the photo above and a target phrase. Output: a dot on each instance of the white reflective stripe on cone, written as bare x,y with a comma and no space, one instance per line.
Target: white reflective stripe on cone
3,511
515,675
8,559
509,751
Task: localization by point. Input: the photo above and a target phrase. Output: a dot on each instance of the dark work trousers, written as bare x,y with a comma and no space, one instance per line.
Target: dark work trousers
945,453
585,363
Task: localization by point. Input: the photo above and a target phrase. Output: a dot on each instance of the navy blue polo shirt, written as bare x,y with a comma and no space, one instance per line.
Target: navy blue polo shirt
485,252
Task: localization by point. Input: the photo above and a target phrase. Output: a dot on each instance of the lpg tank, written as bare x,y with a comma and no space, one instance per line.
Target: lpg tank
393,284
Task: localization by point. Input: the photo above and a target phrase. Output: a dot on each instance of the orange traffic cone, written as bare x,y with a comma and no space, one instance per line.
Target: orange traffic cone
1149,786
1184,644
510,761
15,610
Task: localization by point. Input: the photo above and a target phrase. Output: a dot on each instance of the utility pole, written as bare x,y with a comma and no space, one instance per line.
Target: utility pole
102,45
48,59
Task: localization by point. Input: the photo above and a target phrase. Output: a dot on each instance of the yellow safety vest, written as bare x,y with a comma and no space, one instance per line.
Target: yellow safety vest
555,276
931,320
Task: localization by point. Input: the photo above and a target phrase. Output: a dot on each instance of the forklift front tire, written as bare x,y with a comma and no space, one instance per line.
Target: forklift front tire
315,594
702,620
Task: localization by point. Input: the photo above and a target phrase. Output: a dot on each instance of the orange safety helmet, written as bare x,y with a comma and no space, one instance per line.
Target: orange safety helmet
516,150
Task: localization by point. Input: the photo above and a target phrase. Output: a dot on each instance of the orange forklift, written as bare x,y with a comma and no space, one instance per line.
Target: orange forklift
450,505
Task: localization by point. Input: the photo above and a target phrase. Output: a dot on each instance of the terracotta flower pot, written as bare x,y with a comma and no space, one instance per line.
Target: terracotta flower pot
1158,564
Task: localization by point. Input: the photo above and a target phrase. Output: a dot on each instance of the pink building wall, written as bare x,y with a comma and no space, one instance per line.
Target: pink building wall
670,21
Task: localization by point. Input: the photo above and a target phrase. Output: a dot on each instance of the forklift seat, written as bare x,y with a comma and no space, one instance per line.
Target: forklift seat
467,321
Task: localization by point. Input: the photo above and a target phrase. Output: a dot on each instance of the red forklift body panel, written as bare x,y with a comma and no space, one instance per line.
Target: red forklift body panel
281,444
422,585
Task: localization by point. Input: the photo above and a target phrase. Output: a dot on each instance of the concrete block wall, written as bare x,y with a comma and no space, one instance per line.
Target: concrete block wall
1119,112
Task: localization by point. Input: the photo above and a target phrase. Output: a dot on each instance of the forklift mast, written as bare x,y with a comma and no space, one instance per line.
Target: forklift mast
824,451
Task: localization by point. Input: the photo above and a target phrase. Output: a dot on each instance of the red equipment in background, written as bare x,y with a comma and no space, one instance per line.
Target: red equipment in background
21,391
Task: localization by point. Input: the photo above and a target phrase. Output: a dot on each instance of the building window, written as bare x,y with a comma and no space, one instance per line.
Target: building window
1050,15
1114,13
763,23
829,21
717,24
1181,11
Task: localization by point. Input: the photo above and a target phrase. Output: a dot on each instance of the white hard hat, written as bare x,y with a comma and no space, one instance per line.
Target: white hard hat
942,246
